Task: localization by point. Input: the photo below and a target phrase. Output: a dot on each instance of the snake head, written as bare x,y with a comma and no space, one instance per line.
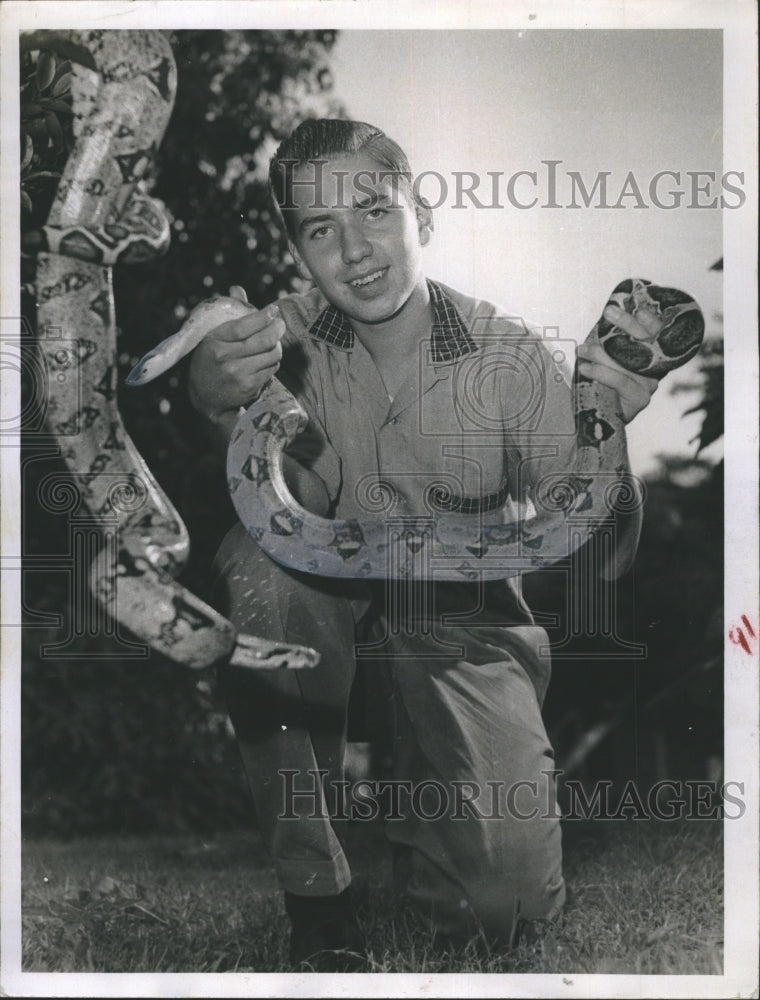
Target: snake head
204,318
147,368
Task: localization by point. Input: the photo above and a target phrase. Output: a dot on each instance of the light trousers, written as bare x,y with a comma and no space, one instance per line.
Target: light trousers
474,822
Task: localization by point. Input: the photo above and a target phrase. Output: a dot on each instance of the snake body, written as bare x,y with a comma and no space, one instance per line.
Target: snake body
100,217
446,547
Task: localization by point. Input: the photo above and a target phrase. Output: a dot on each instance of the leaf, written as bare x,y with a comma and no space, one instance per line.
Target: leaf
41,173
31,109
62,85
28,153
64,66
712,430
55,130
61,107
45,70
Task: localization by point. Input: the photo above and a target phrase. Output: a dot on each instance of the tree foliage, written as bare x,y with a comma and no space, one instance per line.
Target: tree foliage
709,383
109,743
46,138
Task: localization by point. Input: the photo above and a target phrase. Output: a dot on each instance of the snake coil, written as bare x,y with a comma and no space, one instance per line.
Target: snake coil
100,217
573,503
450,546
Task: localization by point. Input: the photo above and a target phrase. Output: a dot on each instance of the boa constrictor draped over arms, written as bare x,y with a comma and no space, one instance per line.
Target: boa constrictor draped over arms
99,216
448,546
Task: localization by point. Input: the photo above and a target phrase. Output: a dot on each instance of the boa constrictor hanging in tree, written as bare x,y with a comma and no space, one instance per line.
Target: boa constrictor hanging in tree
100,217
449,546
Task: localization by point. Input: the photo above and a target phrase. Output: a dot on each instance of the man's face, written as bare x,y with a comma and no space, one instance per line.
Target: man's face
358,236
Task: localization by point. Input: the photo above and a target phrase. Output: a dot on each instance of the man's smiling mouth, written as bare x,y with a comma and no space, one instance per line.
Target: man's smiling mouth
368,279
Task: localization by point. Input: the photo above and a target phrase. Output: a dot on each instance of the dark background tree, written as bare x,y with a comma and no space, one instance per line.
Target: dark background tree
109,742
130,745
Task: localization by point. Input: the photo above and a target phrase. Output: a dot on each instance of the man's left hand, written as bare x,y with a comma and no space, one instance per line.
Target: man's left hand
635,391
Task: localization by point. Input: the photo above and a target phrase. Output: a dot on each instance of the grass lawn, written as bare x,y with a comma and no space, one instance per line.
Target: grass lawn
646,898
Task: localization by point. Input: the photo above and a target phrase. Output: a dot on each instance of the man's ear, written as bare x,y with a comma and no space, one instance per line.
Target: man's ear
302,268
424,221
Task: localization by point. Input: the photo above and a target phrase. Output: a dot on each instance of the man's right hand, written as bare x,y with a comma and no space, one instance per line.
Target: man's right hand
234,362
229,368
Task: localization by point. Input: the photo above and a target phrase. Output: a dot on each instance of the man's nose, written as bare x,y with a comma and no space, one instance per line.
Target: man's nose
355,245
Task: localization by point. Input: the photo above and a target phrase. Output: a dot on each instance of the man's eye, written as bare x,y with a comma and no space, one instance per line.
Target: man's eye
376,213
320,232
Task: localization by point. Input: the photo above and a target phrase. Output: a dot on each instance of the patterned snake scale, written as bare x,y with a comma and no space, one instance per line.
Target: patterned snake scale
100,217
448,546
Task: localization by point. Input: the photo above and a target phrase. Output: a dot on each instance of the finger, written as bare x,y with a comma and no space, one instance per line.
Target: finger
270,370
238,352
248,388
253,364
650,320
640,327
625,383
253,323
242,371
238,292
597,355
264,339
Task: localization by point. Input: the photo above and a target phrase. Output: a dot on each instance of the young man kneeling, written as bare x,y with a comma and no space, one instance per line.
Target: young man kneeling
383,360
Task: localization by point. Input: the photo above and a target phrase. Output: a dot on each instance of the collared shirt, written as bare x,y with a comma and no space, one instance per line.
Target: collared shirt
478,422
449,338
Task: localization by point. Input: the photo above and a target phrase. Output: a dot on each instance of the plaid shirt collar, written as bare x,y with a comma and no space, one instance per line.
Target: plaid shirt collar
449,340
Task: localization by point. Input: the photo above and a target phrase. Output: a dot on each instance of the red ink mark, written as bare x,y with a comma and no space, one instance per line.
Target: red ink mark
737,636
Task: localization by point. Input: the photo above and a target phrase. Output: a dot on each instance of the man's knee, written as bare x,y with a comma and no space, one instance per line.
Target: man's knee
248,587
520,873
494,907
262,598
497,902
272,601
491,882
